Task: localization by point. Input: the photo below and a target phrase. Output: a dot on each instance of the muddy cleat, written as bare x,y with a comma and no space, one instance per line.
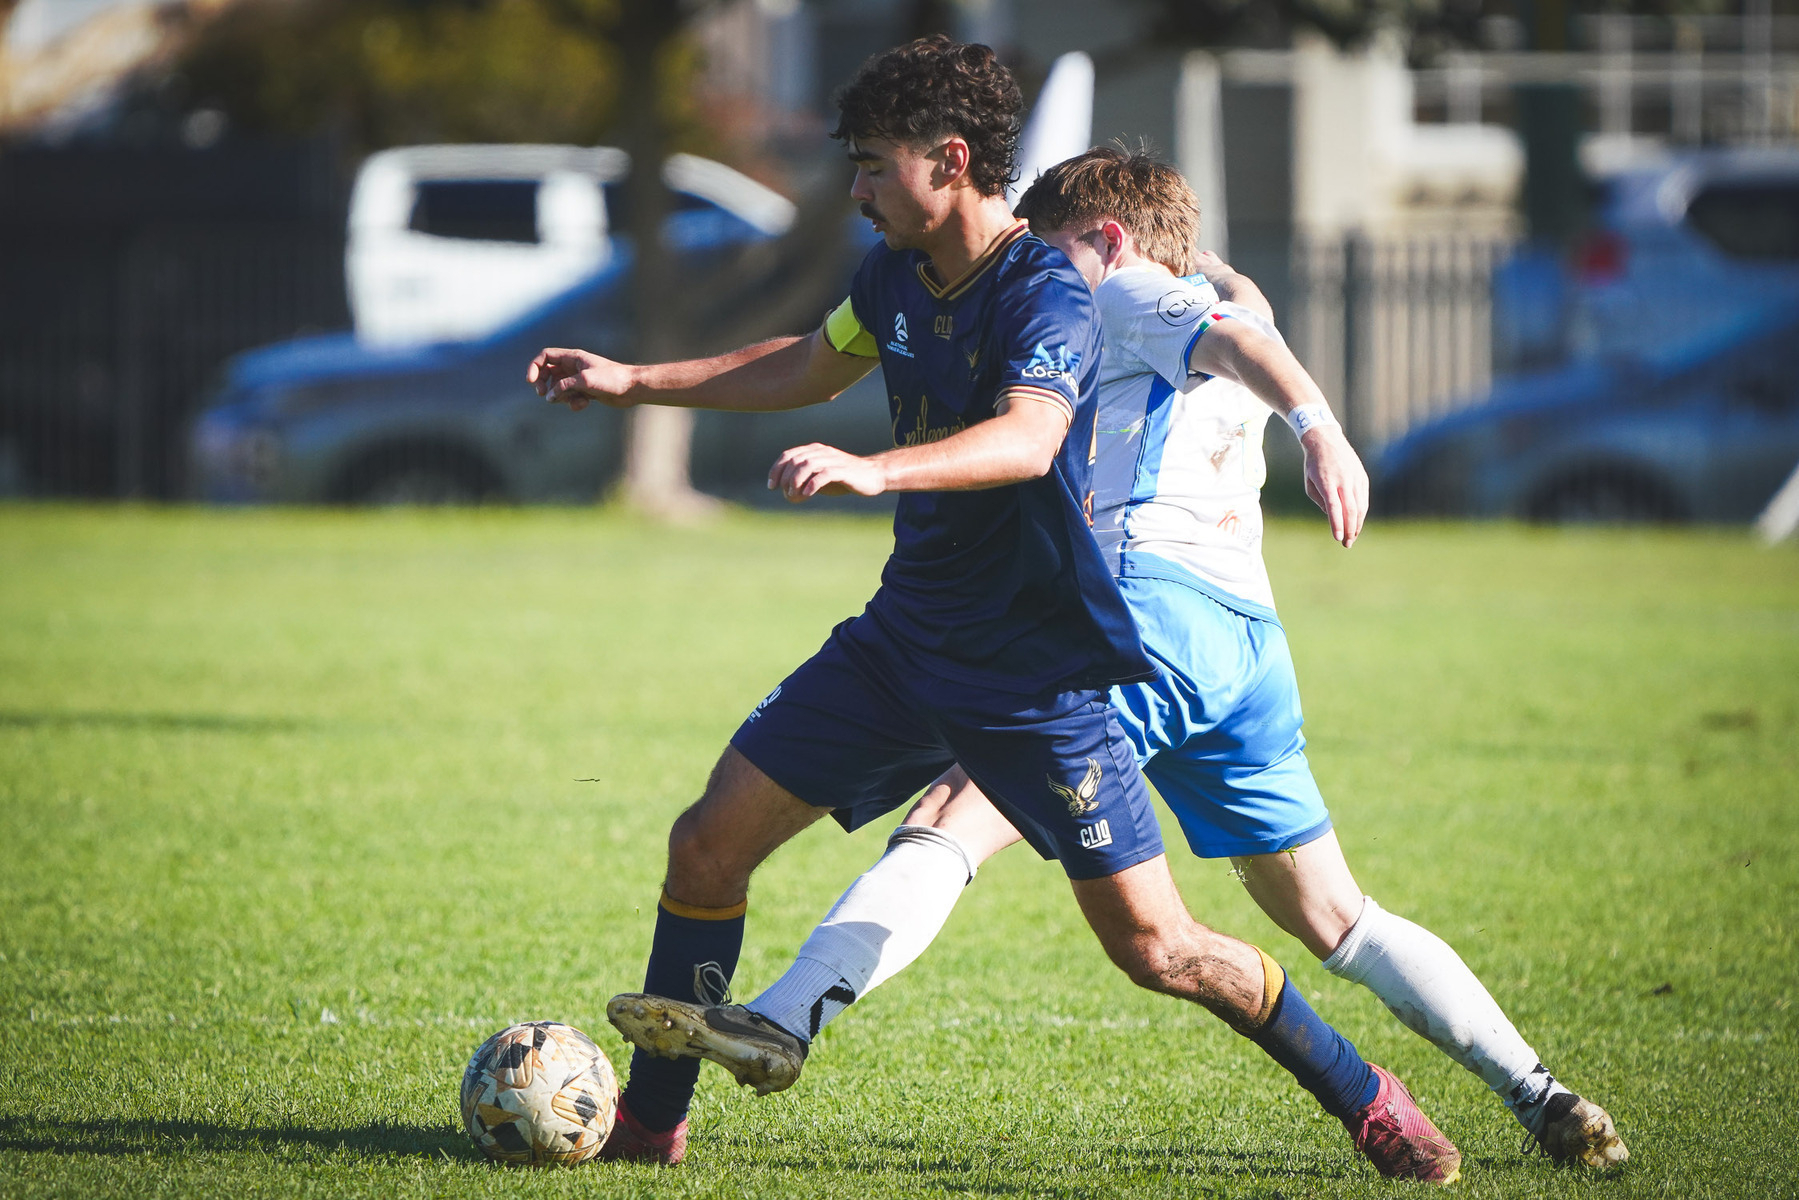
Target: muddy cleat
629,1141
751,1047
1393,1133
1579,1132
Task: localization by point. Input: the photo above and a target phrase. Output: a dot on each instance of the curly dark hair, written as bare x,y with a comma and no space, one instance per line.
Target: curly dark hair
934,88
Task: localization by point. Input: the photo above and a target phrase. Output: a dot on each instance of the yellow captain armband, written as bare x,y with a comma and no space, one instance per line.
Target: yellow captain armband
844,333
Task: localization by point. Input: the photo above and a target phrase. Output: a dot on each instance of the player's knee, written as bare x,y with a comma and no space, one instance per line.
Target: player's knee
698,858
1149,961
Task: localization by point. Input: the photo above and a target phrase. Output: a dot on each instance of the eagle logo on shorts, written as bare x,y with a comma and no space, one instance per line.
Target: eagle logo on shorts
1082,798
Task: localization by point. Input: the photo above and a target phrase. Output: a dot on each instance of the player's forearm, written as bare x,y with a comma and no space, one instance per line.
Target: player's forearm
765,377
1018,445
1263,365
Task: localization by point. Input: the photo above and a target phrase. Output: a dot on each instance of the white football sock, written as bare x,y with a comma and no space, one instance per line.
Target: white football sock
874,931
1424,983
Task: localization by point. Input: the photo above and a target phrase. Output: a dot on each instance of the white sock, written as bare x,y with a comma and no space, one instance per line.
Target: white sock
1424,983
874,931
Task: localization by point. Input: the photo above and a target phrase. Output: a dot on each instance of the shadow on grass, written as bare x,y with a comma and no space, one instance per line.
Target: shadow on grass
1029,1166
377,1140
155,722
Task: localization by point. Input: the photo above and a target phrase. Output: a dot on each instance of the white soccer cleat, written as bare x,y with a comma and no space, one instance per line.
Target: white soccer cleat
1577,1132
758,1052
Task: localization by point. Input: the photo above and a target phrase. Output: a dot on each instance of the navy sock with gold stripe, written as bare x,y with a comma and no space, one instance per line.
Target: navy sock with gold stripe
1324,1062
692,957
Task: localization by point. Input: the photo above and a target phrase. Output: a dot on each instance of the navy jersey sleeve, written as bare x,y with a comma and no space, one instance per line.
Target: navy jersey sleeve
1047,332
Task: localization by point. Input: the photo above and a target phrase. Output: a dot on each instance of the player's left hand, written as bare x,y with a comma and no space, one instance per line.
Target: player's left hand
819,470
1336,481
1210,264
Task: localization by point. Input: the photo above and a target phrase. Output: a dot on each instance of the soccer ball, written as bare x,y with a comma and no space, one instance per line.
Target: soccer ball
539,1093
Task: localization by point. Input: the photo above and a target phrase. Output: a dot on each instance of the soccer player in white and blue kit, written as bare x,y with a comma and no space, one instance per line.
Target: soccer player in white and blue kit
1187,382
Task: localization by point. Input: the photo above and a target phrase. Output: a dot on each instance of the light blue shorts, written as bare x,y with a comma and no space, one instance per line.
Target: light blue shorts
1218,731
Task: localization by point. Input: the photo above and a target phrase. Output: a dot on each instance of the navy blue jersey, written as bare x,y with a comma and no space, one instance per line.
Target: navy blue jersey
1002,587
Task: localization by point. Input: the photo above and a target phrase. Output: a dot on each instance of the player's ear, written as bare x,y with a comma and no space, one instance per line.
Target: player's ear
952,160
1114,235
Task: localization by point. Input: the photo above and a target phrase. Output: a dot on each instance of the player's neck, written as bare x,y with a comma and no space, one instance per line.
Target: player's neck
967,233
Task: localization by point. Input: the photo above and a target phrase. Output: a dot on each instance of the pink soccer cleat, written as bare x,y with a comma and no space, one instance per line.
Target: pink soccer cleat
1393,1133
631,1142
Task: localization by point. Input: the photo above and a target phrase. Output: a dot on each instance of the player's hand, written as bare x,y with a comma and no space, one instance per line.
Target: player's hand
1210,264
577,378
818,470
1336,480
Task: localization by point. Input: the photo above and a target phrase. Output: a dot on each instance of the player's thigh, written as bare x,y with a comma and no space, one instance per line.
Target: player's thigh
743,817
1063,773
954,805
844,735
1307,890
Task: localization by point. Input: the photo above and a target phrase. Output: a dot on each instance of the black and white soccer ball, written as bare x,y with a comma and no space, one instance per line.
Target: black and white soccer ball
540,1093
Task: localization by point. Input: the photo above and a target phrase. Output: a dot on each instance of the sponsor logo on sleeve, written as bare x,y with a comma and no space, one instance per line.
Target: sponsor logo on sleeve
1061,363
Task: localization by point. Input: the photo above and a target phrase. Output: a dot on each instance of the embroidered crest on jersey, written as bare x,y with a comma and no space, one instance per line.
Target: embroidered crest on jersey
1083,797
901,334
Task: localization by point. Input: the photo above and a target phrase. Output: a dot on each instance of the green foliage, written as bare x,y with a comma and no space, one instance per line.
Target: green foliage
391,72
293,817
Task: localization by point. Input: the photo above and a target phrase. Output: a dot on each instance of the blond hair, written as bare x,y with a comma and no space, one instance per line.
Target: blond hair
1147,196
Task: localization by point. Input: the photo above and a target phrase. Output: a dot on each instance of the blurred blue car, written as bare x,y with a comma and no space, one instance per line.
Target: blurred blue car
1706,430
1686,251
330,419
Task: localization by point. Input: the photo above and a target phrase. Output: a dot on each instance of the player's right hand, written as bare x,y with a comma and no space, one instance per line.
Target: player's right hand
1336,480
577,378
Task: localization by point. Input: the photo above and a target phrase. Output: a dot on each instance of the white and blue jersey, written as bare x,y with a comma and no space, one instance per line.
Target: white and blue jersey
1178,515
1180,467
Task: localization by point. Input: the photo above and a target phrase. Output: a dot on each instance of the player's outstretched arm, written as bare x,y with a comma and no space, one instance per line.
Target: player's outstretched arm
1018,443
781,373
1233,286
1335,478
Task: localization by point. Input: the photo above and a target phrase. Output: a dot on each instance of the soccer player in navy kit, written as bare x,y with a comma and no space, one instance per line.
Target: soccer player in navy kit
997,627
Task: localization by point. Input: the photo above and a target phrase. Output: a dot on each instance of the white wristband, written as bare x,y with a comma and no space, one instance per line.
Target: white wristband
1310,416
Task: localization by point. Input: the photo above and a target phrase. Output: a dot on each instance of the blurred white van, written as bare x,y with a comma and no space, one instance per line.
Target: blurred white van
448,243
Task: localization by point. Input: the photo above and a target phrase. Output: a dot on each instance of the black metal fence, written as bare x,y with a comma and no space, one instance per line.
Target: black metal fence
127,277
1396,329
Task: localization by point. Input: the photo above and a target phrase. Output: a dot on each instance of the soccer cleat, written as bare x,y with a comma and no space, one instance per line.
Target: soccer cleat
1393,1133
1578,1132
629,1141
751,1047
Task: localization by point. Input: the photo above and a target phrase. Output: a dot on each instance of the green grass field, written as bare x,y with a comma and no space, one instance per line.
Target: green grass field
297,808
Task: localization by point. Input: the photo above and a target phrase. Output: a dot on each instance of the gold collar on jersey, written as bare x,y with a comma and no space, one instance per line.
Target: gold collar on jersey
965,280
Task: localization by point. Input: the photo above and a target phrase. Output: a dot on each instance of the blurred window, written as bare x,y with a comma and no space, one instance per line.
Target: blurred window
1749,220
491,210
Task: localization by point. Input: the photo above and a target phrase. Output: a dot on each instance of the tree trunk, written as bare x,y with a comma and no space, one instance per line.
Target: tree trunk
658,440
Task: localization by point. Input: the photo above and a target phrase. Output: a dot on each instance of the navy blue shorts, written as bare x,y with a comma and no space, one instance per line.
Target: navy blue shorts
861,730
